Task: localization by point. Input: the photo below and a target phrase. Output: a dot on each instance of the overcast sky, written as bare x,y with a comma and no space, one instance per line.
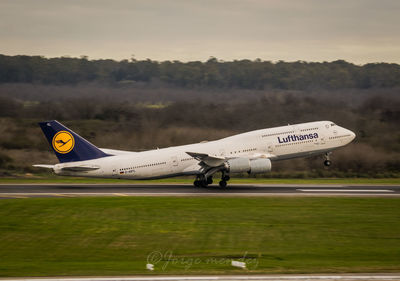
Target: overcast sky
359,31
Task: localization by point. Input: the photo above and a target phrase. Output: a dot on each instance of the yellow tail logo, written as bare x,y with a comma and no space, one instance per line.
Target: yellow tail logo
63,142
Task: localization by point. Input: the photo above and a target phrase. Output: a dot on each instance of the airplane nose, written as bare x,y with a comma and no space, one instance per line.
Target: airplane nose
352,135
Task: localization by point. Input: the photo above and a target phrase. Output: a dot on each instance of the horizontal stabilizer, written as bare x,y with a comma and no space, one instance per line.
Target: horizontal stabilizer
44,166
115,151
81,168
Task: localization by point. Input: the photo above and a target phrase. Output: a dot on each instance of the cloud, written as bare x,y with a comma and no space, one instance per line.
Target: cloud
356,30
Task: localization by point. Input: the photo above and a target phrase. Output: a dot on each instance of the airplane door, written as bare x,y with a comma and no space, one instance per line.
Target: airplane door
323,133
296,130
320,140
174,164
114,171
174,161
270,147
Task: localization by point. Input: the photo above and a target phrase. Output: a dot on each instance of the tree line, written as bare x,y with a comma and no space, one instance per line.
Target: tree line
114,120
240,74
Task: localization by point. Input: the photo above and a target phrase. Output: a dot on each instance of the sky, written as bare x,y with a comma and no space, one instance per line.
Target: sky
358,31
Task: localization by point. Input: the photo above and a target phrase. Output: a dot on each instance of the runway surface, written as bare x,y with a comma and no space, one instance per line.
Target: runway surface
342,277
75,190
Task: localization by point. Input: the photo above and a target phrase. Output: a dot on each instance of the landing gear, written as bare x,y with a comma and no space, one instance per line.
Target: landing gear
202,182
327,161
224,180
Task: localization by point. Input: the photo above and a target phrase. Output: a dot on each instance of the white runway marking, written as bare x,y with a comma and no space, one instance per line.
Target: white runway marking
304,192
18,196
223,278
345,190
253,190
120,194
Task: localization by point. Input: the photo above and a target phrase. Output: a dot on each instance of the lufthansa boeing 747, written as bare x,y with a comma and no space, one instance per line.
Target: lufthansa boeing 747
251,152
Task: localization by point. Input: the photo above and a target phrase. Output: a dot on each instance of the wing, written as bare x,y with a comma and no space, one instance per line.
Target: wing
261,155
215,161
210,164
209,160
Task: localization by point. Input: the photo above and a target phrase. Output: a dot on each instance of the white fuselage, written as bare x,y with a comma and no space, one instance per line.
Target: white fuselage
277,143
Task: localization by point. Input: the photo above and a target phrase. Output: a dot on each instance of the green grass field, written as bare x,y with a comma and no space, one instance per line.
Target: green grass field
72,180
197,235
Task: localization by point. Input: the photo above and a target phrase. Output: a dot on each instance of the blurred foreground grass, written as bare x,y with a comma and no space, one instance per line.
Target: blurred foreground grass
119,235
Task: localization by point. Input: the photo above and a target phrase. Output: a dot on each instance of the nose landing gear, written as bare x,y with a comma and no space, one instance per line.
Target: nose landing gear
327,161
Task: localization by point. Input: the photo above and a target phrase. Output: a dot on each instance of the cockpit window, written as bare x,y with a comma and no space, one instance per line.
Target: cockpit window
333,124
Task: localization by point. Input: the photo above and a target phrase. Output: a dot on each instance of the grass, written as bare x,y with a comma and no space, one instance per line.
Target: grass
189,180
197,235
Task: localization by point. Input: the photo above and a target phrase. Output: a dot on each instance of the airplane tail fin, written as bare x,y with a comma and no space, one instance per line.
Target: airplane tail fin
68,145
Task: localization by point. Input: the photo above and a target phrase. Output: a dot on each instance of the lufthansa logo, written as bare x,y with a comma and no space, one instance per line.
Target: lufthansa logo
63,142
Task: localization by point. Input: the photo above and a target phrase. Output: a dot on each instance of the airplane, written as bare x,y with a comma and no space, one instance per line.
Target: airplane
252,152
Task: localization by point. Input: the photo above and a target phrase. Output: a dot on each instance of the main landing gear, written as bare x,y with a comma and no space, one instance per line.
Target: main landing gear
224,180
202,182
327,161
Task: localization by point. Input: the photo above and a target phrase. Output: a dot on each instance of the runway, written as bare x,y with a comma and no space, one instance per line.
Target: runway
233,190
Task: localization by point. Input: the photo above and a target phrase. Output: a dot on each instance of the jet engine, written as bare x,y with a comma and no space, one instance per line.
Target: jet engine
260,166
242,165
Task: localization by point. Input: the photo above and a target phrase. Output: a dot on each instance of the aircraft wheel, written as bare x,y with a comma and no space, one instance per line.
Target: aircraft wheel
203,183
209,180
222,184
327,163
196,183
